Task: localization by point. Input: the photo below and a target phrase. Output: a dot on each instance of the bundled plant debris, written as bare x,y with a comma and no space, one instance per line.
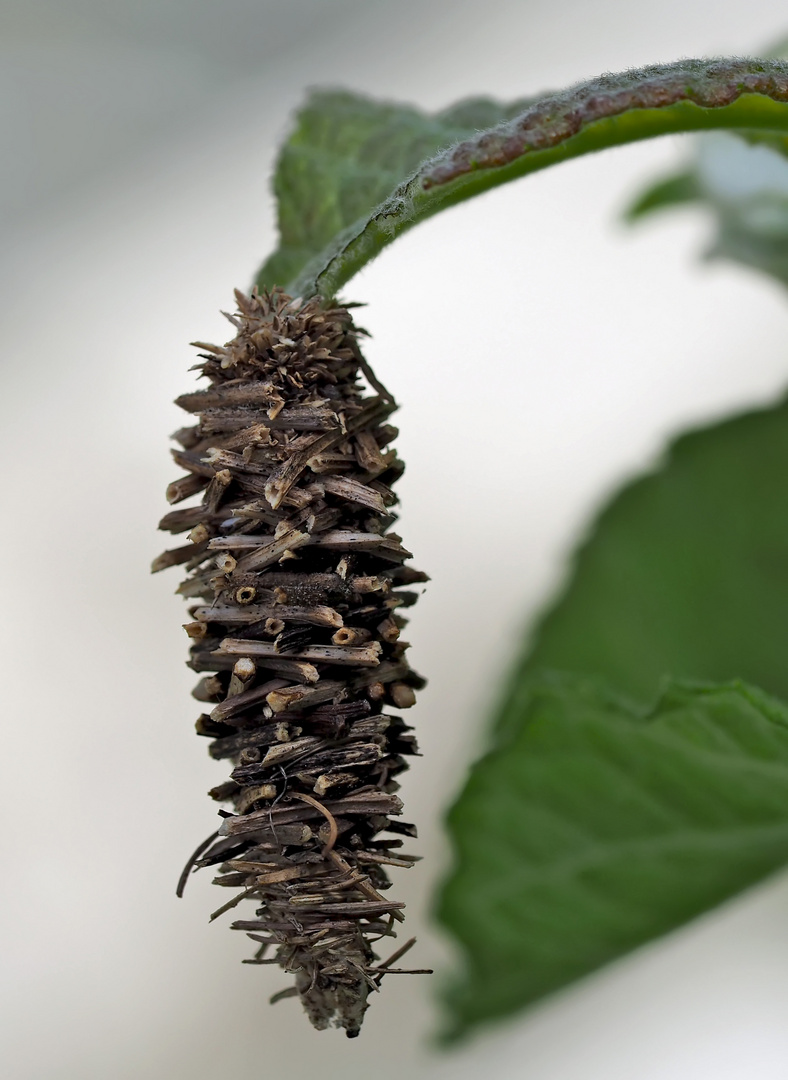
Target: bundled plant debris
299,587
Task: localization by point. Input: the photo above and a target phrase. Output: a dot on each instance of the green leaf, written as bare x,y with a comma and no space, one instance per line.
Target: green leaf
346,151
666,193
685,573
745,184
344,157
593,829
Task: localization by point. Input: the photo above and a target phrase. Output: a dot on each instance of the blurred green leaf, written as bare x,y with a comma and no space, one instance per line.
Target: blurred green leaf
742,179
670,191
745,184
591,829
355,173
685,572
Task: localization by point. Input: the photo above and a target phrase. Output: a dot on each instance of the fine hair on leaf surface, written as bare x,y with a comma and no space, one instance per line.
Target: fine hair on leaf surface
607,810
345,150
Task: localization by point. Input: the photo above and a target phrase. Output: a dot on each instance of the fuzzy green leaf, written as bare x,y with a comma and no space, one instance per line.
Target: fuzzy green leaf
685,573
345,155
593,829
353,175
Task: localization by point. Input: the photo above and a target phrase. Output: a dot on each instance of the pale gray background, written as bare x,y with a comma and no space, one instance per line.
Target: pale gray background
542,353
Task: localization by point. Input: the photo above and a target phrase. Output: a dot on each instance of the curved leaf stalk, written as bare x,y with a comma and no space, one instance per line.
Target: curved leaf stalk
689,96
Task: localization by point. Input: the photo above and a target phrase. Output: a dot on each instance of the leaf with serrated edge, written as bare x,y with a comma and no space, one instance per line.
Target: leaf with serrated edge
593,829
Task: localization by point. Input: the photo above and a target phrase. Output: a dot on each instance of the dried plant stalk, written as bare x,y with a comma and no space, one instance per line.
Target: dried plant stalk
301,583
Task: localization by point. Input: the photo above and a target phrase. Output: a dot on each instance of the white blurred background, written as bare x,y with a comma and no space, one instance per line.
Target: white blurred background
542,353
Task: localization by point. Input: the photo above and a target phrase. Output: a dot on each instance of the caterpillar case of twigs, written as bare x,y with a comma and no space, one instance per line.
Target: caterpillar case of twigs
298,588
